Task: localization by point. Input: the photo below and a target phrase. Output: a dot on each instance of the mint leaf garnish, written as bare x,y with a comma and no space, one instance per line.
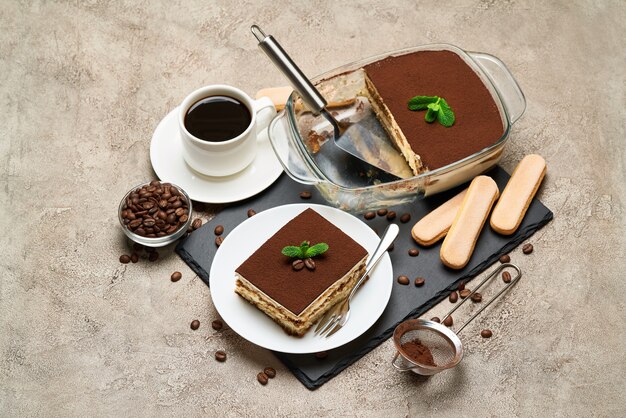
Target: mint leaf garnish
305,250
292,251
317,249
436,109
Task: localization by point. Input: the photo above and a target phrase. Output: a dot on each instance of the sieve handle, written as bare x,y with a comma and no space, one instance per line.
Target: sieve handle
397,365
489,277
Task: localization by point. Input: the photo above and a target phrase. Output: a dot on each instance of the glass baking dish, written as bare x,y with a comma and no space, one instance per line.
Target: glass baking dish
301,139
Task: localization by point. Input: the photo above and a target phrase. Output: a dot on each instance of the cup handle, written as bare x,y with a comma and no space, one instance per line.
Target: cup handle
265,110
399,366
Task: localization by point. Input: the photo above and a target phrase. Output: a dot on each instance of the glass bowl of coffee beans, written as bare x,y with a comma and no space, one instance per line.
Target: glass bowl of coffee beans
155,214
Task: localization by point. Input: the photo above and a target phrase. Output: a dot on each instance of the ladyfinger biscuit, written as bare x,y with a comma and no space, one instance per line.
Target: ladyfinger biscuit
517,195
280,95
460,241
434,226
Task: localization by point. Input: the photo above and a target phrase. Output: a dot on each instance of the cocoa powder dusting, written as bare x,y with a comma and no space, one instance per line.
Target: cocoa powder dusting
418,353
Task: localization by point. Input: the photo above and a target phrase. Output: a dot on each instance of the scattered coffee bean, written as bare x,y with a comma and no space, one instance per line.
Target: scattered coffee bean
262,378
464,293
176,276
419,281
477,297
391,215
391,247
321,355
219,230
218,241
406,217
448,321
454,297
505,258
270,372
403,280
217,325
435,319
251,213
153,256
486,333
305,195
414,252
461,286
527,248
506,277
369,215
220,356
297,265
195,324
134,257
197,223
381,212
124,259
309,263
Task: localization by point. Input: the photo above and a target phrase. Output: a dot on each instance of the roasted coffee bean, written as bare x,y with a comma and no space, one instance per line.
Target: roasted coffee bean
270,372
179,212
161,215
435,319
217,325
197,223
177,204
135,223
195,324
414,252
321,355
153,256
382,212
477,297
124,259
448,321
464,293
506,277
419,281
219,230
170,211
149,222
134,257
454,297
391,215
505,258
251,213
486,333
262,378
183,219
461,286
309,263
297,265
406,217
369,215
403,280
220,356
305,195
163,203
140,231
218,241
391,247
527,248
176,276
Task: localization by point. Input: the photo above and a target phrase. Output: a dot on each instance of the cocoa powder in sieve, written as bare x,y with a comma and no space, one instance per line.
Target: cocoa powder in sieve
418,353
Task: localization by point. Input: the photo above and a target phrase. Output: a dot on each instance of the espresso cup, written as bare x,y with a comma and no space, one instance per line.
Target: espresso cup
229,156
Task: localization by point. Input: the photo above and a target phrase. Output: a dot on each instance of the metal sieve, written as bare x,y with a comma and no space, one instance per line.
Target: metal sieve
443,344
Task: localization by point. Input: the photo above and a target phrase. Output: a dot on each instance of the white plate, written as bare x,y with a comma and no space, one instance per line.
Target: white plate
256,327
168,164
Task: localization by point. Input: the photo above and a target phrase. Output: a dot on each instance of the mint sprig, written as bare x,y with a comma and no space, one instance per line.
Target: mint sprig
305,250
436,109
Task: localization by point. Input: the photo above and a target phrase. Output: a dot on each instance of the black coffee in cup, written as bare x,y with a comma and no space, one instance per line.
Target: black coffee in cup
217,118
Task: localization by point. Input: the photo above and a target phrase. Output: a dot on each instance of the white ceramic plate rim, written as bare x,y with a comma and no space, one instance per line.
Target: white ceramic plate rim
256,327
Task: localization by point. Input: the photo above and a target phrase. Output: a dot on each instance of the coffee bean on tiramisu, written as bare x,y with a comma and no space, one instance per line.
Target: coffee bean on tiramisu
197,223
477,297
217,325
448,321
321,355
486,333
461,286
176,276
454,297
465,293
134,257
297,265
262,378
195,324
382,212
270,372
391,215
414,252
309,263
505,258
406,217
435,319
306,195
506,277
219,230
124,259
251,213
419,281
391,247
218,241
404,280
369,215
220,356
153,256
527,248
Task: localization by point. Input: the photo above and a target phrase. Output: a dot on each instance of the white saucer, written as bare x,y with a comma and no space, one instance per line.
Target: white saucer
168,164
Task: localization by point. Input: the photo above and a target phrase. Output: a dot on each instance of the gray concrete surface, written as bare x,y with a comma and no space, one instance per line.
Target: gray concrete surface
82,87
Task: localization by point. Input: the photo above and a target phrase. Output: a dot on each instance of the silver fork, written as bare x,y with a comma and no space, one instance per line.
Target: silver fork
338,315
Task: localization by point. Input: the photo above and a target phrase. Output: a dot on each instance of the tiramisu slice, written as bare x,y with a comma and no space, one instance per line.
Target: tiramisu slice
296,290
392,81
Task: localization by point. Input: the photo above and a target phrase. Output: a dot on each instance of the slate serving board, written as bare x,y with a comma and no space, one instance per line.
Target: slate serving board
406,302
